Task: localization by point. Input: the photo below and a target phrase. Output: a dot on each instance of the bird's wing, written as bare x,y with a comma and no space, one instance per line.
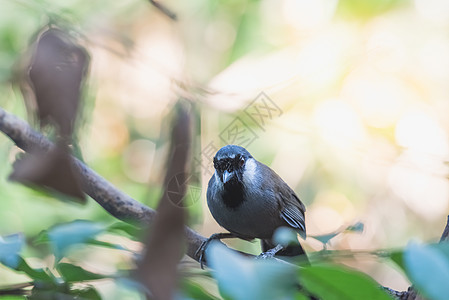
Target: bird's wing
292,209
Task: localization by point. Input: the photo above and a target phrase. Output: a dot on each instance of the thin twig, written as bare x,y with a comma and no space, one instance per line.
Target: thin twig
164,10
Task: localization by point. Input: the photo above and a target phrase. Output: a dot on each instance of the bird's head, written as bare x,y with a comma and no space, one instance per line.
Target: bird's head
229,164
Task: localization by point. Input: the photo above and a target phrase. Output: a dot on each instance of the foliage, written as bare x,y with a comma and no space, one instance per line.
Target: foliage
428,268
62,277
245,278
238,277
337,282
50,262
10,246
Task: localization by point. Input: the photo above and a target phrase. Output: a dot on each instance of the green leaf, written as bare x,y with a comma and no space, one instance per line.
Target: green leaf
42,238
131,230
398,258
89,293
261,279
106,244
35,274
10,247
339,283
193,290
299,296
44,294
428,269
62,237
72,273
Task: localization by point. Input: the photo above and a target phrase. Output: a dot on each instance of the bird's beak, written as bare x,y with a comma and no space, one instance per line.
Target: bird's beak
227,176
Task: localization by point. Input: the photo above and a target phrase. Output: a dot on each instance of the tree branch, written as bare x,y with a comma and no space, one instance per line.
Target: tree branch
117,203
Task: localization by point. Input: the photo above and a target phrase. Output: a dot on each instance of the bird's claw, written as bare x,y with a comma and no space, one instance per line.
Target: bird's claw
201,253
266,255
270,253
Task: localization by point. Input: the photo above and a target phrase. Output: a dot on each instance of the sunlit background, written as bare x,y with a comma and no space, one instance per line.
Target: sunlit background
361,87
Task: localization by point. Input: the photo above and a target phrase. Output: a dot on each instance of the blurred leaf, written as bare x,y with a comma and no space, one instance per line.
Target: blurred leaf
428,269
63,236
42,238
165,242
285,236
300,296
72,273
53,170
9,297
261,279
131,230
105,244
87,293
62,292
10,247
398,258
339,283
357,227
193,290
57,70
15,289
132,285
35,274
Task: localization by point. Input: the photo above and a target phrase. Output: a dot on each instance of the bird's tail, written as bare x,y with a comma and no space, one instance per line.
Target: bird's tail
291,250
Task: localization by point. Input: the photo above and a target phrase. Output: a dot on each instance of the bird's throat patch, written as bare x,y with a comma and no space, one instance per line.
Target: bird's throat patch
233,195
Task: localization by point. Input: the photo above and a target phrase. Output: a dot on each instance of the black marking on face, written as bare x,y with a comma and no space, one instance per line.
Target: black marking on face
229,163
233,192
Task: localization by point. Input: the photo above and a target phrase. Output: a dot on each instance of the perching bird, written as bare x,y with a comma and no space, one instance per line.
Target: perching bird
250,200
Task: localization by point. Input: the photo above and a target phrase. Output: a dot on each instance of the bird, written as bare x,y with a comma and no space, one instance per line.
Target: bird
250,200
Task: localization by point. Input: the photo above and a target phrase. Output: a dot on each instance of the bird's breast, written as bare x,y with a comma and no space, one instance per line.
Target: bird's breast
248,214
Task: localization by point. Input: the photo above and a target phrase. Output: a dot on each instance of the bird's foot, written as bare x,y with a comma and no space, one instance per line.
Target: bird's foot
201,252
270,253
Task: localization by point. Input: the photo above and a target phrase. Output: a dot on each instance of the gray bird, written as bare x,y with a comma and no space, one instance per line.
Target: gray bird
250,200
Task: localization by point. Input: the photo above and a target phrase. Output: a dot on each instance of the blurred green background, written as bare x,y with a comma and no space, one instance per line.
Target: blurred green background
362,88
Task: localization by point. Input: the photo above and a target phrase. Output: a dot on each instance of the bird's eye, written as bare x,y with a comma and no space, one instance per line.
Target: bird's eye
241,162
